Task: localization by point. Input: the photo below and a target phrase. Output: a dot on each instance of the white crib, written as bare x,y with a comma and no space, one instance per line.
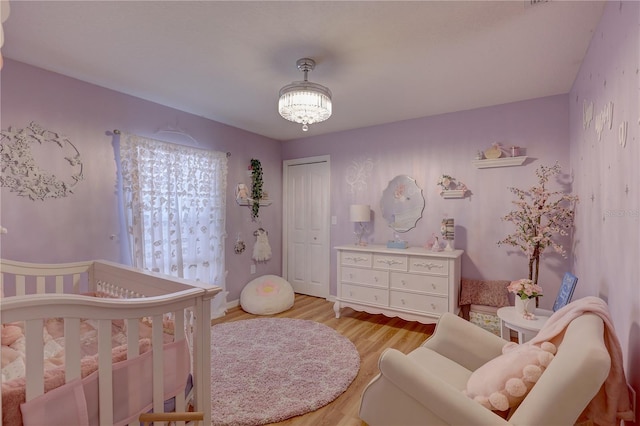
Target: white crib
34,293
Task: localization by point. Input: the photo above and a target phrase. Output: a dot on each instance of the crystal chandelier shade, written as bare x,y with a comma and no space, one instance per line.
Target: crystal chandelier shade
305,102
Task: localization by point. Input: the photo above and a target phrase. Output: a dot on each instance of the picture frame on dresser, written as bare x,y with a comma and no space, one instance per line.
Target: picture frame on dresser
414,284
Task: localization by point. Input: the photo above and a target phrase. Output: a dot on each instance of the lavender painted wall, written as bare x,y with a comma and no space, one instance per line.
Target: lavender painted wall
606,243
424,149
607,238
81,226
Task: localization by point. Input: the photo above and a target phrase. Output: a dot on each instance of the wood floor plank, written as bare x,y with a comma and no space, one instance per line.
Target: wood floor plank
371,334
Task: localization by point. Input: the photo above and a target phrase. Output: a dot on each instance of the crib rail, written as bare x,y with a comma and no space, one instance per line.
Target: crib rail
30,278
44,291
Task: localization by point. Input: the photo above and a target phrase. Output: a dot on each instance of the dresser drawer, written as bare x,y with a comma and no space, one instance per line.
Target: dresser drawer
392,262
429,265
418,302
355,258
365,276
419,282
374,296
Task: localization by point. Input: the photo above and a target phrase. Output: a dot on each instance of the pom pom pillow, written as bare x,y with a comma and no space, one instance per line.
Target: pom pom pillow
266,295
506,380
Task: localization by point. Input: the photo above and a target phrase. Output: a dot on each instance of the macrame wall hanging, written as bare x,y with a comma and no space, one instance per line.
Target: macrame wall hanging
24,155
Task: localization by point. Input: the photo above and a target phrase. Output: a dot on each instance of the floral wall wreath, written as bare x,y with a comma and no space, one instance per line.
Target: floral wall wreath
20,171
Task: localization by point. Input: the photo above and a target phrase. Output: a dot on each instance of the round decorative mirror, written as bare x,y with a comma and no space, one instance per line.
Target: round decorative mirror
402,203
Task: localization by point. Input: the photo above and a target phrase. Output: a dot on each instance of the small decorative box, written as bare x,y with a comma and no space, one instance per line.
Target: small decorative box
397,244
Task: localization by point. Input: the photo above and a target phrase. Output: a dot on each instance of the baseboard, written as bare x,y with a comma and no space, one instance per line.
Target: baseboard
235,303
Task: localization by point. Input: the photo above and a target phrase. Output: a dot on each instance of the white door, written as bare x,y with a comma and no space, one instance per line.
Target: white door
306,225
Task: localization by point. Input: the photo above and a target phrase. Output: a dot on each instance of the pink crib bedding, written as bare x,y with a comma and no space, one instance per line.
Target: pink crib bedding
130,377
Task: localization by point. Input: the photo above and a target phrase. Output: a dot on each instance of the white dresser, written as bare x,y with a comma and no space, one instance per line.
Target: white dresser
414,284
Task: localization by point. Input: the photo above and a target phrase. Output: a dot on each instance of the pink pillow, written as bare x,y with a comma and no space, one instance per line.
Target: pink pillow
10,333
506,380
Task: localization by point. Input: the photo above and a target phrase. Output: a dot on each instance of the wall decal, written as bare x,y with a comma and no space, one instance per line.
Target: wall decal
604,118
587,114
622,133
20,170
357,173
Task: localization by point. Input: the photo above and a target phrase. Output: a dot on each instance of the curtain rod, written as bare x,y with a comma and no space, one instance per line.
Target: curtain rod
118,132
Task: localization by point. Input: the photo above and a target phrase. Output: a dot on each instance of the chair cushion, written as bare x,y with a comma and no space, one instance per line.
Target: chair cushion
506,380
266,295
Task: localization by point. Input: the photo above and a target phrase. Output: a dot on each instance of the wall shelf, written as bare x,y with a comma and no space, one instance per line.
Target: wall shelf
454,193
500,162
251,201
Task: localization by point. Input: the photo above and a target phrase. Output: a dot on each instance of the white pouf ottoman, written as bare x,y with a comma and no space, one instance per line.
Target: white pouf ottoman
266,295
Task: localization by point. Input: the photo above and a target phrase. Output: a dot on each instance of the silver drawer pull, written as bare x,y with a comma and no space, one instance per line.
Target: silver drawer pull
375,279
375,297
403,282
390,262
351,293
433,306
350,276
429,265
403,302
433,285
356,259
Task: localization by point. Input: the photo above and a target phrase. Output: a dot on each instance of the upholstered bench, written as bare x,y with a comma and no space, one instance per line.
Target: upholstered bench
480,301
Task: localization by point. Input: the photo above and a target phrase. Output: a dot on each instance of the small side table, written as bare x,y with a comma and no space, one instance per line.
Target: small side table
511,320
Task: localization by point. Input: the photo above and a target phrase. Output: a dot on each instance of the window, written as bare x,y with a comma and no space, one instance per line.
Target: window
174,208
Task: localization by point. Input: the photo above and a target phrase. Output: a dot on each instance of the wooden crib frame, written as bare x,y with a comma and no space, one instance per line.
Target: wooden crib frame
54,290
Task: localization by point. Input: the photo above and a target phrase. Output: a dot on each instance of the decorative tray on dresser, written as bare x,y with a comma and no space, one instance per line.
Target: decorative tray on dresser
414,284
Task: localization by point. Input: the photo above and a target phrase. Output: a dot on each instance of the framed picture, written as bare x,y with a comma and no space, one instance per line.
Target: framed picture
565,293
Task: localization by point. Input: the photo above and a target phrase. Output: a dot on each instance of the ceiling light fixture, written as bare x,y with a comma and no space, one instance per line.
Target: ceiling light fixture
305,102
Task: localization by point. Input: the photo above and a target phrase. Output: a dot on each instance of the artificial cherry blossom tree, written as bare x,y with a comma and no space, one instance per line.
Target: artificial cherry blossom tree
540,216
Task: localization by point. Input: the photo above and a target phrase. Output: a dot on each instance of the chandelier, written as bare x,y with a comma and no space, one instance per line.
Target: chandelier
305,102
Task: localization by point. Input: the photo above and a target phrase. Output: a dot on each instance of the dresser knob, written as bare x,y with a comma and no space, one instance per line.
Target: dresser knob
375,297
350,276
351,293
433,306
433,285
375,279
403,282
403,302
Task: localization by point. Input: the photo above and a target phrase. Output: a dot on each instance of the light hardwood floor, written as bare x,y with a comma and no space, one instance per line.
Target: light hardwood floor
371,334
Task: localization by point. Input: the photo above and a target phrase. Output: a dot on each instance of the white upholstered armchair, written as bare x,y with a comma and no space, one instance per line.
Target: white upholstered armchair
425,387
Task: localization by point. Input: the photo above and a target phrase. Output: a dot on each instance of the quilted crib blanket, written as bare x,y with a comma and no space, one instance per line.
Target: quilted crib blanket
13,356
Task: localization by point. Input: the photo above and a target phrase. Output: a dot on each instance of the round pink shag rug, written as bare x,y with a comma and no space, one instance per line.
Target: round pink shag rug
266,370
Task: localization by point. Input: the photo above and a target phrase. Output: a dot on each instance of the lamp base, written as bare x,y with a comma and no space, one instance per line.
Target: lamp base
449,246
359,234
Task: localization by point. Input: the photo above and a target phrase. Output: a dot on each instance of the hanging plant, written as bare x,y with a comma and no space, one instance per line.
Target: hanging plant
256,187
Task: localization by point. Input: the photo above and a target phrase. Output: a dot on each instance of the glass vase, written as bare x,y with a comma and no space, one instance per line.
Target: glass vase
525,306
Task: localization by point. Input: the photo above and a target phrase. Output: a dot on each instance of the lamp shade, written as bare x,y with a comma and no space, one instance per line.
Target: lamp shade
360,213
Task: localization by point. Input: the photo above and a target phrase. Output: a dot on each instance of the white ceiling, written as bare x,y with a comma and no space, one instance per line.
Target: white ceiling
384,61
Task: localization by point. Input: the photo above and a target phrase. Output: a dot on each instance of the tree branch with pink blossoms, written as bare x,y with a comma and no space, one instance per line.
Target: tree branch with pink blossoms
540,216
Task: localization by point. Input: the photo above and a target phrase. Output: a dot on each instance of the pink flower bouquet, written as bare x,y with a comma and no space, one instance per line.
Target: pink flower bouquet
525,289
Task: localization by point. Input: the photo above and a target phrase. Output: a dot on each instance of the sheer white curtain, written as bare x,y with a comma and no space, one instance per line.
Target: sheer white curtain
174,208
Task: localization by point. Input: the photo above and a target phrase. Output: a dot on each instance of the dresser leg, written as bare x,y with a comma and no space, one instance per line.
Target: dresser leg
336,309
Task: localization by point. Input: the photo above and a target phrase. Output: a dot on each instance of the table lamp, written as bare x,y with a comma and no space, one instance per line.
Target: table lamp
360,213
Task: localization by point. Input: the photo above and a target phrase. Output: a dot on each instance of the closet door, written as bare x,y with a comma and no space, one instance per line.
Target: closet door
306,225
